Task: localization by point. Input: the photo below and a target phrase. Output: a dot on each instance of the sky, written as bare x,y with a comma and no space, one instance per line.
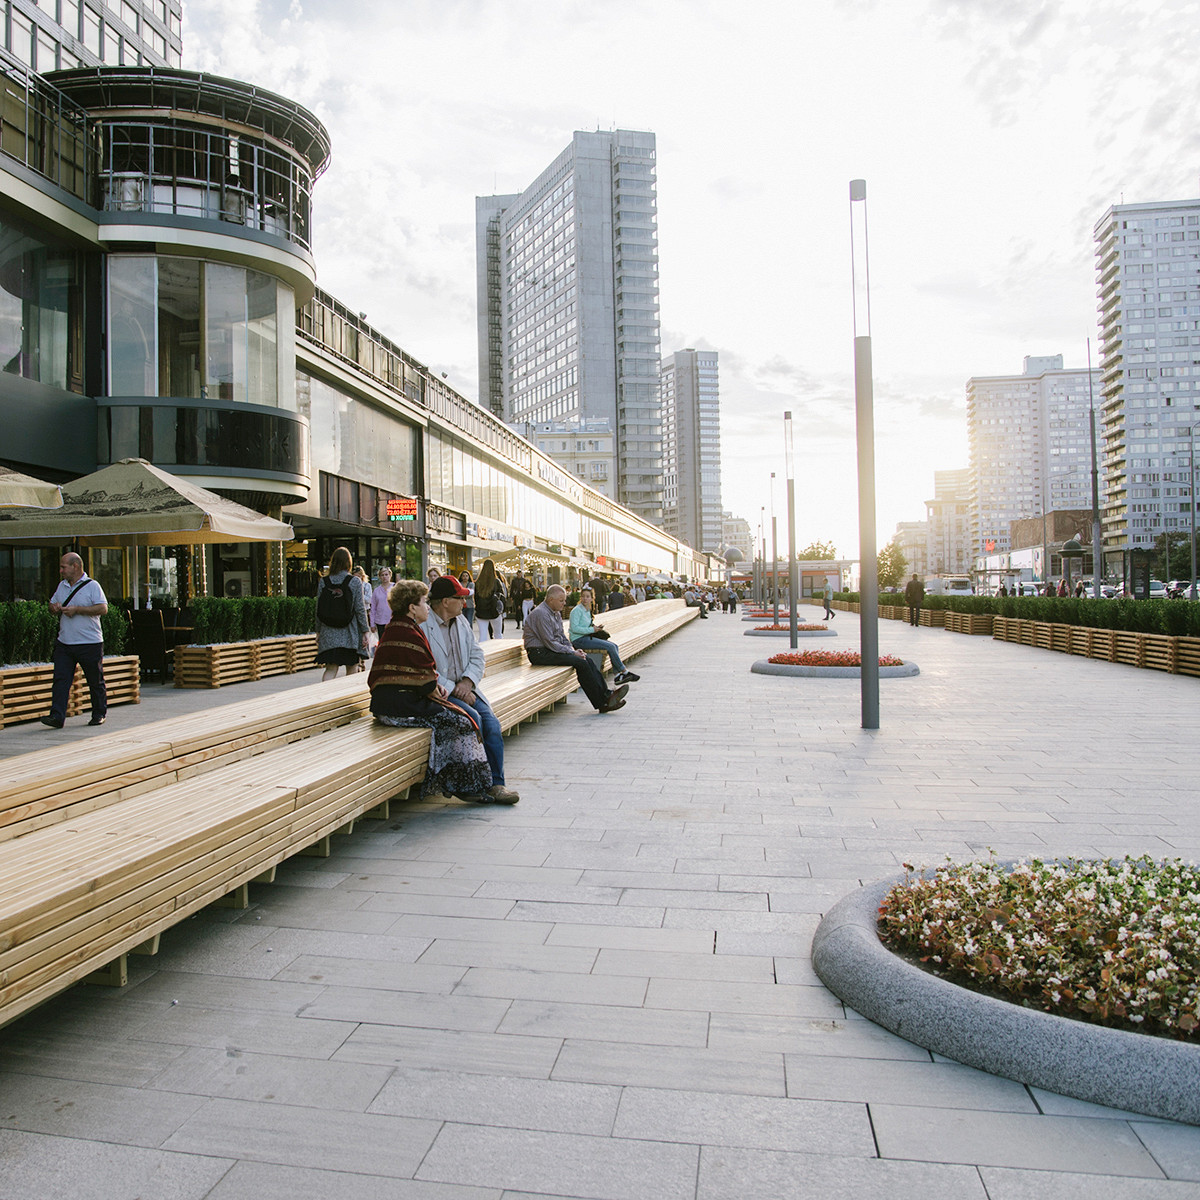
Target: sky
992,134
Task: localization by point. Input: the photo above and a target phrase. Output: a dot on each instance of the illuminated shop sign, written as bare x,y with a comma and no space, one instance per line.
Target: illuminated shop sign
402,508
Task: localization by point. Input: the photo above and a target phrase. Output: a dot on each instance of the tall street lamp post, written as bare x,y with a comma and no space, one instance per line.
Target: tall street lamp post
864,405
774,552
793,581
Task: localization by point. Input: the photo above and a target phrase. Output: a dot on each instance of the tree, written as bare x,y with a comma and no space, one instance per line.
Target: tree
1178,565
818,552
891,565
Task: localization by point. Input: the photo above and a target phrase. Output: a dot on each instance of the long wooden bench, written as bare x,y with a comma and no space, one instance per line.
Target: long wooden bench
99,855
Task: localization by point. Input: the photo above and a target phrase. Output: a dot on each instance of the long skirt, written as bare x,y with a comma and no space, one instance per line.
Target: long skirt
458,764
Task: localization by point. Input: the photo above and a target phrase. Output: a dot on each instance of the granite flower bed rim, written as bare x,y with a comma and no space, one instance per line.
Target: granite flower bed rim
764,667
1133,1072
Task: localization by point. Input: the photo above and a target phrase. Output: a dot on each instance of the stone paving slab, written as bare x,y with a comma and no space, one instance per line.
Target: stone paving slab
606,991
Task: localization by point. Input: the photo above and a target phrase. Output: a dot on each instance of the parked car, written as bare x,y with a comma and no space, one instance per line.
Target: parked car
1158,589
1179,588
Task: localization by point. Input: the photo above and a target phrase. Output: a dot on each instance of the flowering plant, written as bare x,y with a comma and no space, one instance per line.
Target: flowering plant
830,658
799,628
1115,941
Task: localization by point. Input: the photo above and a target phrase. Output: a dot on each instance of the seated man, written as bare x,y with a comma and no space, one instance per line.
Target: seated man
547,646
585,636
460,667
693,599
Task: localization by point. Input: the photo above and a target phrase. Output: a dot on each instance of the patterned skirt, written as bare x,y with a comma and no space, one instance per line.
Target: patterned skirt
458,764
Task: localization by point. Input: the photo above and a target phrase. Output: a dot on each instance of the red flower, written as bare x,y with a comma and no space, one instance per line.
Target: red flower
830,658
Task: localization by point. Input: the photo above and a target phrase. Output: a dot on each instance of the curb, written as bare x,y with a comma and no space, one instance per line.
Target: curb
1130,1071
763,667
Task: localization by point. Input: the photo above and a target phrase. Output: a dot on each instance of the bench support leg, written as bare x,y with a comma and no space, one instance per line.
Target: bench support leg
268,876
238,898
319,849
381,812
346,829
147,947
115,974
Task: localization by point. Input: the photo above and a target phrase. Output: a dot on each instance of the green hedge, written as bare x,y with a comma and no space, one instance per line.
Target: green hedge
217,619
1176,618
28,629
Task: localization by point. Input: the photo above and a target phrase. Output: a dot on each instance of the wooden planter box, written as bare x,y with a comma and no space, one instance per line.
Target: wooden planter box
933,618
1151,651
972,623
236,662
25,691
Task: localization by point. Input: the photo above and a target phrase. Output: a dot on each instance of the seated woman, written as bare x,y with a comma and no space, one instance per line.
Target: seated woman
585,636
405,692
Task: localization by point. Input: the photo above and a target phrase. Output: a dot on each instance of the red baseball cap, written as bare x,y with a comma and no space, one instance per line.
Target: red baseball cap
446,586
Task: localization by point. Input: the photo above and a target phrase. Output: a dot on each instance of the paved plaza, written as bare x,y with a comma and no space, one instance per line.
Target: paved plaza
606,992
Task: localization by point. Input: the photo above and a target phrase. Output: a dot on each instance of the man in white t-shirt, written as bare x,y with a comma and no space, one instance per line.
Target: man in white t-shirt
79,603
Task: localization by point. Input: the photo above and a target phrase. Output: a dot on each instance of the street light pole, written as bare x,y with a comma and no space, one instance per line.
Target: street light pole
774,553
864,406
793,582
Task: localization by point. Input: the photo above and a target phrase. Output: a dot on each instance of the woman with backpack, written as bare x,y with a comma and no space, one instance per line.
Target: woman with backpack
342,621
491,597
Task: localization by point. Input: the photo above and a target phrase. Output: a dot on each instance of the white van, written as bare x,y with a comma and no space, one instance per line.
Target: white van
949,585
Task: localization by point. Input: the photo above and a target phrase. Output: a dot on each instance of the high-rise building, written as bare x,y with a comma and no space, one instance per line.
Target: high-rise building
91,33
912,537
948,545
691,417
1148,284
736,533
567,303
1030,446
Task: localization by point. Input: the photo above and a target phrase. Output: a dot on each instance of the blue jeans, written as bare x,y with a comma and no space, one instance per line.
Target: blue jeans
587,642
493,739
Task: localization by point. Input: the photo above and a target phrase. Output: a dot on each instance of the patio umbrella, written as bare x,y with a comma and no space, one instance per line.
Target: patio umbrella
24,491
134,503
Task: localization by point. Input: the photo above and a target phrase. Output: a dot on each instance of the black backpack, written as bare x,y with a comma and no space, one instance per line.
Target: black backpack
335,603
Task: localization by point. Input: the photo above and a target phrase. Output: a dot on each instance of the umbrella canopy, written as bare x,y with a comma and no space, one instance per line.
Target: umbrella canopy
24,491
134,503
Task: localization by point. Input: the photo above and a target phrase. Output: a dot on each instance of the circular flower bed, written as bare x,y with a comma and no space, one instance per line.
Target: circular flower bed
834,664
799,628
782,631
1115,941
1158,1076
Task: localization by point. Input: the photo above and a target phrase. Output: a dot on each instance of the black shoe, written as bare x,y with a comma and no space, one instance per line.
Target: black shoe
626,677
615,700
98,720
53,722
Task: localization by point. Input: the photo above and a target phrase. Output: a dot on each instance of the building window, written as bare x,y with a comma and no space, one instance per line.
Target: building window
184,328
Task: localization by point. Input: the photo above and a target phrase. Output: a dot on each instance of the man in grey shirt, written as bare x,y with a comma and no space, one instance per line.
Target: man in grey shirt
547,645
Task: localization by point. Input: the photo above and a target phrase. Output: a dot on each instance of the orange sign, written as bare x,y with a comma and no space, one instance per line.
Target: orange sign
402,508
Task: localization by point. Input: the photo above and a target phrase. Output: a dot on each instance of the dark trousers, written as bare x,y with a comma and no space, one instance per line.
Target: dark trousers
914,615
90,656
586,671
